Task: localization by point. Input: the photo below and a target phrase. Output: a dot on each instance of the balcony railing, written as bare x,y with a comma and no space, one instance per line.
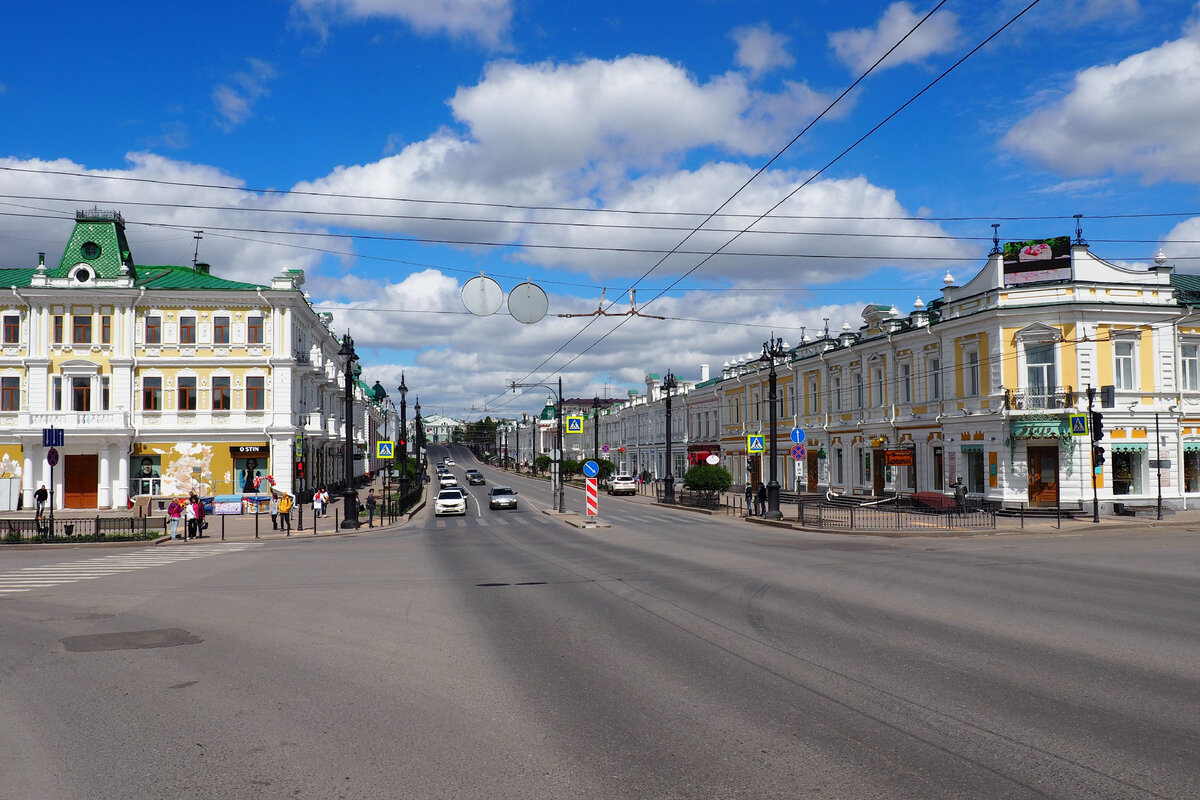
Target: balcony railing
1039,399
75,420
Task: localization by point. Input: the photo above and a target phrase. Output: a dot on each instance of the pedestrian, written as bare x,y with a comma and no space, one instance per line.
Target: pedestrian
760,499
749,498
284,509
317,502
191,515
324,501
371,509
274,508
41,495
174,513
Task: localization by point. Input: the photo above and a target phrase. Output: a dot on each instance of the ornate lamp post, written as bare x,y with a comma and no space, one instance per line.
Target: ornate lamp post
419,434
351,497
772,349
403,439
596,429
668,386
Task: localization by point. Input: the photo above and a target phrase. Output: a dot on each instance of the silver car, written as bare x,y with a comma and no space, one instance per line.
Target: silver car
502,497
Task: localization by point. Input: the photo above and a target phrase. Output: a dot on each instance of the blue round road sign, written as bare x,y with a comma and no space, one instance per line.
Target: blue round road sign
797,435
52,456
591,469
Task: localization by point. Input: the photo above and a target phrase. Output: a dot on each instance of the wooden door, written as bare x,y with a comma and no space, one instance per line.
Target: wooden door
1043,476
812,472
877,472
81,477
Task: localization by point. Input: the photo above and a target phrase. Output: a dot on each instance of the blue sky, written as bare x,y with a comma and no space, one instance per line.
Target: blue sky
414,144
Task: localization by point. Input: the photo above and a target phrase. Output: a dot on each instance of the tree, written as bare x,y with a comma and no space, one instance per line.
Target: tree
709,481
571,468
607,469
542,463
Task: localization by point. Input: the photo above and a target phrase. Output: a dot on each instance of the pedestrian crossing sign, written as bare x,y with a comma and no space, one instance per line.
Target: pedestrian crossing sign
384,449
754,444
1079,425
574,424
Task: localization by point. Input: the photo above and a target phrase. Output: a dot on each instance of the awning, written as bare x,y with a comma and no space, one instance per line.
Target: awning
1191,447
971,448
1130,448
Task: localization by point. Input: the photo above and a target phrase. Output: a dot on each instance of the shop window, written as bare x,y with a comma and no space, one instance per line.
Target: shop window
254,330
10,394
12,329
153,330
187,394
1127,467
220,393
939,470
1191,469
146,479
256,393
974,470
220,330
187,330
152,394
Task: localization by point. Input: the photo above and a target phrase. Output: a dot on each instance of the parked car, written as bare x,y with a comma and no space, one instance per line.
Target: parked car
450,501
622,484
475,478
502,497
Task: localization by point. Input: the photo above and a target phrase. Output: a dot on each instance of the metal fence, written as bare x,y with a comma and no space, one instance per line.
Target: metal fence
849,517
16,531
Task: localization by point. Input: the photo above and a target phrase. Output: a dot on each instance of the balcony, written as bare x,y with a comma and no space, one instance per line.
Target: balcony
77,420
1040,399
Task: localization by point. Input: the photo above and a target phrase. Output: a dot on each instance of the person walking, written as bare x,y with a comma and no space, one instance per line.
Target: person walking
174,514
41,495
274,505
284,510
749,498
318,502
371,509
324,501
760,499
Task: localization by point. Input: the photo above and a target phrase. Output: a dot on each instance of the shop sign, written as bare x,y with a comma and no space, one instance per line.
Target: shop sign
898,458
1041,428
243,451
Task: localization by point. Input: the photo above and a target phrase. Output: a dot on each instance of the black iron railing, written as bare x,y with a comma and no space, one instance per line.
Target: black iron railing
66,529
839,517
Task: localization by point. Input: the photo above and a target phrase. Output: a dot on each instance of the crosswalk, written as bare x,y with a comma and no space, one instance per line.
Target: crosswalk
48,575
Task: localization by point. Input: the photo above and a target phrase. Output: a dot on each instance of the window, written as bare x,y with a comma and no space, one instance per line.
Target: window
1189,367
81,328
935,379
81,394
972,376
220,330
105,393
187,394
153,330
187,330
10,394
56,393
906,383
1039,369
1123,373
878,397
152,394
814,397
858,390
1127,467
754,405
58,328
254,330
106,329
220,393
838,464
12,329
974,459
256,393
836,391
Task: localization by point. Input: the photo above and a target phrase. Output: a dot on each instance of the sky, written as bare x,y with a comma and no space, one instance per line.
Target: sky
747,168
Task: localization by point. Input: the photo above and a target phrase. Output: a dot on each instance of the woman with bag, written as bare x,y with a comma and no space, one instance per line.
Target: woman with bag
191,514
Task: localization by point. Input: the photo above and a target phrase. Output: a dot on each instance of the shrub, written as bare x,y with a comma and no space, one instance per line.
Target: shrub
709,481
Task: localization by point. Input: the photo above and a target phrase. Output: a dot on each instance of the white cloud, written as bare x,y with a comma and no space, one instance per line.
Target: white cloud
859,48
1181,248
760,50
487,21
235,100
1137,116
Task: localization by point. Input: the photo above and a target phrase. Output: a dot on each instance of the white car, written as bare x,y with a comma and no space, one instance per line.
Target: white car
450,501
622,484
449,462
447,480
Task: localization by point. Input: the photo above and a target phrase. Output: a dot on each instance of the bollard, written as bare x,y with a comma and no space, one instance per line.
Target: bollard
335,520
1022,516
222,527
256,519
299,519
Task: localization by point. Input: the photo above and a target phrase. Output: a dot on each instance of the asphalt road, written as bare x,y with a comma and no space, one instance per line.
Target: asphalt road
508,655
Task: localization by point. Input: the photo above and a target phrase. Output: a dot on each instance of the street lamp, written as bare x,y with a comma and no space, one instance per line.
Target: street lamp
558,437
351,497
403,439
419,433
668,386
772,349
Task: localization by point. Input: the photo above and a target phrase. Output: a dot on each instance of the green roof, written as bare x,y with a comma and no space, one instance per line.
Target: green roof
168,277
16,277
98,240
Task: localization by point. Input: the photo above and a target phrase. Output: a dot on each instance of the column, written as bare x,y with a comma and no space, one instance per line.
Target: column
28,480
121,493
104,491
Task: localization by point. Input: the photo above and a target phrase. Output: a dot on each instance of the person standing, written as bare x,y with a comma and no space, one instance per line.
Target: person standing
41,495
174,513
274,505
371,508
749,498
760,500
285,512
318,502
324,502
191,516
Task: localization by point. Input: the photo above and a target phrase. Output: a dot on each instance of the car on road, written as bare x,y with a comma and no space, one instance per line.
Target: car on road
622,484
450,501
448,461
447,480
502,497
475,478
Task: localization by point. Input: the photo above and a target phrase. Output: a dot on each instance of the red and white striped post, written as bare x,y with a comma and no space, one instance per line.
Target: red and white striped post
591,494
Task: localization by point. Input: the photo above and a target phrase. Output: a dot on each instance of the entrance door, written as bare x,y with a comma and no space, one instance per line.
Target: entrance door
1043,476
81,476
812,472
877,472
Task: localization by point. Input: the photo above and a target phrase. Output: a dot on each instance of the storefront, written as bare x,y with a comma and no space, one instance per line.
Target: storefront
251,466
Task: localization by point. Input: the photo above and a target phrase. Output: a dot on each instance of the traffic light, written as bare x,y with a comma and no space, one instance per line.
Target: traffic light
1097,455
749,465
1097,426
300,470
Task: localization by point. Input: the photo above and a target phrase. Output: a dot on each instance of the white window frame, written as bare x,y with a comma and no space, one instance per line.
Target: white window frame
1189,367
1125,380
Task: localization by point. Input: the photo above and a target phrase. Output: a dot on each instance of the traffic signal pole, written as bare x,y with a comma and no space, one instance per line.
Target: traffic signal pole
1091,394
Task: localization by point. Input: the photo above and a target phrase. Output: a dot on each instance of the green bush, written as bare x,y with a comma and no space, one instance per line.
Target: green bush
709,481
